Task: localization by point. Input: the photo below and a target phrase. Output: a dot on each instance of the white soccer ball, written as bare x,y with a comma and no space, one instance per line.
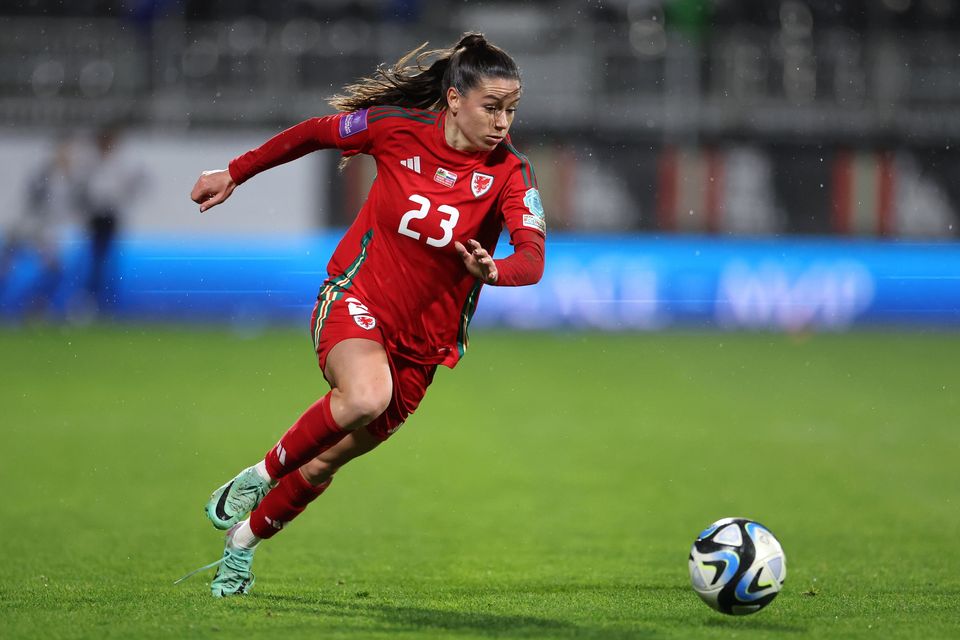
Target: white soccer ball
737,566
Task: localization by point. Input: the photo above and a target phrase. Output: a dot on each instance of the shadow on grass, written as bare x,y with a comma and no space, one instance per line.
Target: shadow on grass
740,623
608,611
373,614
410,618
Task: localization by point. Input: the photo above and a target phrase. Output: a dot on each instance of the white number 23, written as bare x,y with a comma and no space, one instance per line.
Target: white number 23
446,224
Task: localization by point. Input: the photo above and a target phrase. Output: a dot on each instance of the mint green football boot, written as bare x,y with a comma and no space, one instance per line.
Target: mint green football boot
231,503
233,575
233,569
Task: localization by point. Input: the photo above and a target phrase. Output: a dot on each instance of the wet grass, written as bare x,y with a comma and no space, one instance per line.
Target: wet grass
549,487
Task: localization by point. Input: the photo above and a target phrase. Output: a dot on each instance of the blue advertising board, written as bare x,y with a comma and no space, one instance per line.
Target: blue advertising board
614,282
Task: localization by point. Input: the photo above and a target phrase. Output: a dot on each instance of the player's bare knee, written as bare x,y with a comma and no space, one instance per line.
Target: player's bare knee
369,406
358,404
366,404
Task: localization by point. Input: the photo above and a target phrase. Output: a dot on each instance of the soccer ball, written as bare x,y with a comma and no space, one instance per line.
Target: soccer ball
737,566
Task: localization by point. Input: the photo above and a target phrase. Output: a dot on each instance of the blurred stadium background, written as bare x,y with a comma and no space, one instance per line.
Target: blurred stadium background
777,164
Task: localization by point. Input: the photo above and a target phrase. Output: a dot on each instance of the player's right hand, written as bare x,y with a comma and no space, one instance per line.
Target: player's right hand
212,188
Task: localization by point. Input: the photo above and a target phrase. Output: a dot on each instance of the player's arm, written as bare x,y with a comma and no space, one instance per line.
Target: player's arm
346,131
523,267
524,218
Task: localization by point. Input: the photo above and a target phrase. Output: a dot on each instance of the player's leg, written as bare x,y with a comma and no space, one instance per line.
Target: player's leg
297,490
355,364
410,382
319,471
275,503
102,229
281,505
362,387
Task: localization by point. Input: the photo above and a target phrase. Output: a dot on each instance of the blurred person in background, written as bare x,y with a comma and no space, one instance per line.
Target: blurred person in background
50,205
404,280
107,181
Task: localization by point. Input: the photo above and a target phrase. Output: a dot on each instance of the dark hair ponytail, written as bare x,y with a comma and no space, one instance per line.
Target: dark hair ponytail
474,58
424,86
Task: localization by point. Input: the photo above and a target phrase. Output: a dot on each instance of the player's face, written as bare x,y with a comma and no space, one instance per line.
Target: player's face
482,117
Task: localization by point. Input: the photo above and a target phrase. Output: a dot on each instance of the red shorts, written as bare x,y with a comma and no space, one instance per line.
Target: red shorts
340,314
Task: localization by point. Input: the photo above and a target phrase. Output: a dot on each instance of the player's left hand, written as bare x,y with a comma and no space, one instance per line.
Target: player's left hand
478,262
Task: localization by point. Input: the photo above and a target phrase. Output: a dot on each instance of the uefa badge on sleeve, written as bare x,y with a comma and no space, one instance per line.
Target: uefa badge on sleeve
351,123
536,218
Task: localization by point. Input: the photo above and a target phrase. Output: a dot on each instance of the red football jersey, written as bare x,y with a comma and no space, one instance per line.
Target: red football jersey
399,253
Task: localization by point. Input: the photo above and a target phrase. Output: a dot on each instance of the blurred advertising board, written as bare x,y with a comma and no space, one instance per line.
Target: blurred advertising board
609,282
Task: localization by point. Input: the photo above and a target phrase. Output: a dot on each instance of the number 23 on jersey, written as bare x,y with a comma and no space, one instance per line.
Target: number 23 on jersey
438,237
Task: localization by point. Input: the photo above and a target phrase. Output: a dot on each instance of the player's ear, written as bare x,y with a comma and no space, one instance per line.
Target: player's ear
453,100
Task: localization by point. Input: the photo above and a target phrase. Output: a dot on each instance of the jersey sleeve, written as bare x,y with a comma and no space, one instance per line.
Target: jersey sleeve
525,266
525,221
520,204
349,132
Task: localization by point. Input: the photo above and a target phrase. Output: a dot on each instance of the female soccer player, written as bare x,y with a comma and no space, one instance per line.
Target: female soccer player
404,281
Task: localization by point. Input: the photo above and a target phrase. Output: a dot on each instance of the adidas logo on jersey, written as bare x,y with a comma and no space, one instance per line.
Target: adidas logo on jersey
412,163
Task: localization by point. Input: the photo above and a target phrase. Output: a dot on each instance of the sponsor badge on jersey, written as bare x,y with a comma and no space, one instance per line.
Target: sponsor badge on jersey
536,218
352,123
444,177
480,183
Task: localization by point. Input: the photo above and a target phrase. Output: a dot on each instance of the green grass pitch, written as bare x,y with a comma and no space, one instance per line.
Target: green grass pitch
550,487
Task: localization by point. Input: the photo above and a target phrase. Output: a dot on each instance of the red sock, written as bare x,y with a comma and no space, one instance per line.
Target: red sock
285,502
314,432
